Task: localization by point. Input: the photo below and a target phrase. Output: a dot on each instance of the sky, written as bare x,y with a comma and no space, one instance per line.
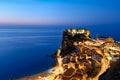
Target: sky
59,12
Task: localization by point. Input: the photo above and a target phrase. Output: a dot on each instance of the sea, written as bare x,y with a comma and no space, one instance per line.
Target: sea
26,49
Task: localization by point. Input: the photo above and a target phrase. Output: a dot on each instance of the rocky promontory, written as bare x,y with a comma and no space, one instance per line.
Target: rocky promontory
81,57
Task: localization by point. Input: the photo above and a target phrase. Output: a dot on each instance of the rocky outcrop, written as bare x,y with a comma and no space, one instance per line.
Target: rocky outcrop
80,57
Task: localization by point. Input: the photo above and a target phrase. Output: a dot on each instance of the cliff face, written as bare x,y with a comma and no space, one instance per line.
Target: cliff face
80,57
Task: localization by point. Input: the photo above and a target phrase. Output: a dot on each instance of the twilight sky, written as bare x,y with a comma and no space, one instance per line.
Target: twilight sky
59,12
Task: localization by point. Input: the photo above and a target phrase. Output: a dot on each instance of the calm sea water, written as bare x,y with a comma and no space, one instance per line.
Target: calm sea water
23,49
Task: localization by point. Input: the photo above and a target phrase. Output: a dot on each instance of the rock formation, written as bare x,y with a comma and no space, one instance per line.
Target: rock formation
80,57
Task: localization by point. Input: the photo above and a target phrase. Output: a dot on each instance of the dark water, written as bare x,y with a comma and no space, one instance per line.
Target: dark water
23,49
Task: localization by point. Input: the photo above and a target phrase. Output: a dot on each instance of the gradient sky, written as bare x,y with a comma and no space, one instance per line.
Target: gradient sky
59,11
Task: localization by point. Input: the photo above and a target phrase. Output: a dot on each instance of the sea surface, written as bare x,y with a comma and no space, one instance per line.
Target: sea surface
23,49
